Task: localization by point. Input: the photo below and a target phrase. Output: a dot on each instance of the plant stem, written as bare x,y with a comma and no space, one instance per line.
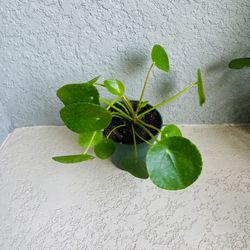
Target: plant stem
148,131
99,84
119,126
144,88
134,139
113,102
168,100
119,103
142,138
90,142
149,125
117,109
129,105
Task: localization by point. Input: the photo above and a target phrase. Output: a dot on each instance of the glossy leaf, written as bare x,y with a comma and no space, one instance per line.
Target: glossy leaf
239,63
104,149
135,167
160,58
73,158
85,138
85,117
74,93
174,164
201,93
170,130
114,86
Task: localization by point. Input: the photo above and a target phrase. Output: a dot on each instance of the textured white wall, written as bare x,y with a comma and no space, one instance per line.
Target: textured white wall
47,43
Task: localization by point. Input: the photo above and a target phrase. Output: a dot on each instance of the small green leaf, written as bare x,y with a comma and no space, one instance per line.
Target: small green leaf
115,87
104,149
135,167
174,164
85,138
160,58
239,63
73,158
85,117
201,93
170,130
94,80
74,93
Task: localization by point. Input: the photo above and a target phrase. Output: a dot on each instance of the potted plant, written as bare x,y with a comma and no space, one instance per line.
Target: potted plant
130,131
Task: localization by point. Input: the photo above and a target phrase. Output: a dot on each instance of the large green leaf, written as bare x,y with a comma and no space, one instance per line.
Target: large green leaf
85,138
160,58
73,158
104,149
239,63
201,93
170,130
74,93
135,167
114,86
85,117
174,164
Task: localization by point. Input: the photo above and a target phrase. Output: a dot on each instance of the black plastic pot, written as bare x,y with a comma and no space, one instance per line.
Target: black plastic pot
125,151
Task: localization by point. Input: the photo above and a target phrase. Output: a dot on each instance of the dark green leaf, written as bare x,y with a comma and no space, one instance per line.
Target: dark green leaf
115,87
174,164
85,138
170,130
85,117
104,149
135,167
160,58
74,93
201,93
239,63
73,158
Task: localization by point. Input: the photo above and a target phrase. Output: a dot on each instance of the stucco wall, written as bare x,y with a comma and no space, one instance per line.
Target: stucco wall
45,44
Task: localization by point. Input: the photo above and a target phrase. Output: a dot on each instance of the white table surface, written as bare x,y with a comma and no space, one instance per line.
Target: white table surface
93,205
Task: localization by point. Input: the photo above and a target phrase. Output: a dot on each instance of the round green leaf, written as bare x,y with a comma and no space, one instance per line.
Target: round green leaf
239,63
115,87
174,164
201,93
170,130
85,117
73,158
85,138
160,58
135,167
104,149
74,93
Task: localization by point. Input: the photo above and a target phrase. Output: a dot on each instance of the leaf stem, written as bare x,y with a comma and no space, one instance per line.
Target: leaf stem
147,131
144,88
149,125
129,105
149,143
90,142
168,100
119,126
134,139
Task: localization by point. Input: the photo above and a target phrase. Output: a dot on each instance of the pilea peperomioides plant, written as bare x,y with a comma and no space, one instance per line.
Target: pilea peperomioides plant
127,130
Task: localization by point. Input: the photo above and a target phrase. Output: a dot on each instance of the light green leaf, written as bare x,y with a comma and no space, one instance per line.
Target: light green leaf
201,93
239,63
73,158
85,138
104,149
174,164
85,117
135,167
170,130
115,87
160,58
74,93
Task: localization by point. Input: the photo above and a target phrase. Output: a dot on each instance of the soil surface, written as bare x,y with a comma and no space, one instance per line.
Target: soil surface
124,134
